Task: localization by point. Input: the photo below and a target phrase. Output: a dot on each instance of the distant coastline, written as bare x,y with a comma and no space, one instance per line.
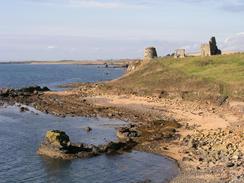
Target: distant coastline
117,63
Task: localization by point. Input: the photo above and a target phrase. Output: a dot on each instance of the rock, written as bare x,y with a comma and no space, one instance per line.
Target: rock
127,133
220,147
230,164
186,159
57,138
23,109
235,157
221,100
33,89
88,129
57,144
163,94
21,95
110,115
6,92
112,147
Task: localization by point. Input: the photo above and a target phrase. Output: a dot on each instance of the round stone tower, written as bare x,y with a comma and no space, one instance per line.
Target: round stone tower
150,53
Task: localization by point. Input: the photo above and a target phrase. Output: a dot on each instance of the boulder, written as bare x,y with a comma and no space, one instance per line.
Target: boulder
57,144
57,139
127,133
88,129
23,109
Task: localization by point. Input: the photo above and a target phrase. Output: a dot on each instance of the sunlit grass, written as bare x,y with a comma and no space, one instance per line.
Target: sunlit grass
216,74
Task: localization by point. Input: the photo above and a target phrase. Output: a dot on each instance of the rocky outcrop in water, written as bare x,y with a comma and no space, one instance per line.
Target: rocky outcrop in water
129,132
57,144
22,95
8,92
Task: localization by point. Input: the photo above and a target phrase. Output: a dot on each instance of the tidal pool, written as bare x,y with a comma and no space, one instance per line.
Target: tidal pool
22,133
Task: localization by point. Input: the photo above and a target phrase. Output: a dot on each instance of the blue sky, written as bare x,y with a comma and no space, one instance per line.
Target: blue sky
112,29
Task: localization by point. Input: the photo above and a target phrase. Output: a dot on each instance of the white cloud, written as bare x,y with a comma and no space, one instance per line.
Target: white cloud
225,5
108,4
234,42
51,47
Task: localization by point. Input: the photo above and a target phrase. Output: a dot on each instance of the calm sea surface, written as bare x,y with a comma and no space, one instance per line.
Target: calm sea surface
20,75
22,133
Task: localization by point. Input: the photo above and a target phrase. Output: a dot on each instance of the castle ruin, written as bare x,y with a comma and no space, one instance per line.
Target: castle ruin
150,53
180,53
210,48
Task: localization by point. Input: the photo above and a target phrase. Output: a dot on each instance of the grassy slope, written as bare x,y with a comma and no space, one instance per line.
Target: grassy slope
194,76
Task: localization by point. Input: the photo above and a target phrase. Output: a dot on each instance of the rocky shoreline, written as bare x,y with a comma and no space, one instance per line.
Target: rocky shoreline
206,140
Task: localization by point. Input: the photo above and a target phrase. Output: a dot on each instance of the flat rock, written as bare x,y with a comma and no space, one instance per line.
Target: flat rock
57,144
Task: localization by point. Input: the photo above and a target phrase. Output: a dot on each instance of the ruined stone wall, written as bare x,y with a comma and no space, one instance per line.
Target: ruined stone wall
205,50
210,48
180,53
150,53
213,47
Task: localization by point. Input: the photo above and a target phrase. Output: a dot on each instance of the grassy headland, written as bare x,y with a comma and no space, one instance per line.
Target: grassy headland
191,77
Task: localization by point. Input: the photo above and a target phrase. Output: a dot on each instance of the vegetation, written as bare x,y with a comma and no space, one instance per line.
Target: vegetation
192,76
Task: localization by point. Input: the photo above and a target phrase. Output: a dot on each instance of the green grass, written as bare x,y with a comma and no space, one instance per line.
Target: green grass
216,75
227,68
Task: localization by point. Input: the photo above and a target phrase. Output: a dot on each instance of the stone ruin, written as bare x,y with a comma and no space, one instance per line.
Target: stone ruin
210,48
180,53
205,50
150,53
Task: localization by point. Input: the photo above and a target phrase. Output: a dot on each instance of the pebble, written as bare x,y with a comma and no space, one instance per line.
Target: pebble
230,164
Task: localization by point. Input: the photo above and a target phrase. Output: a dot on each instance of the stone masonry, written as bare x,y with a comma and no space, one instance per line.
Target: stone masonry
205,50
210,48
180,53
150,53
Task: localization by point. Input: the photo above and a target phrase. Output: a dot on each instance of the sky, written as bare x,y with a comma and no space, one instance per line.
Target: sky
115,29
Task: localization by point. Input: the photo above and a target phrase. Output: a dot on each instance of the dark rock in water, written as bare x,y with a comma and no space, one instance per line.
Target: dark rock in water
57,144
23,109
113,147
88,129
33,89
127,132
145,181
8,93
